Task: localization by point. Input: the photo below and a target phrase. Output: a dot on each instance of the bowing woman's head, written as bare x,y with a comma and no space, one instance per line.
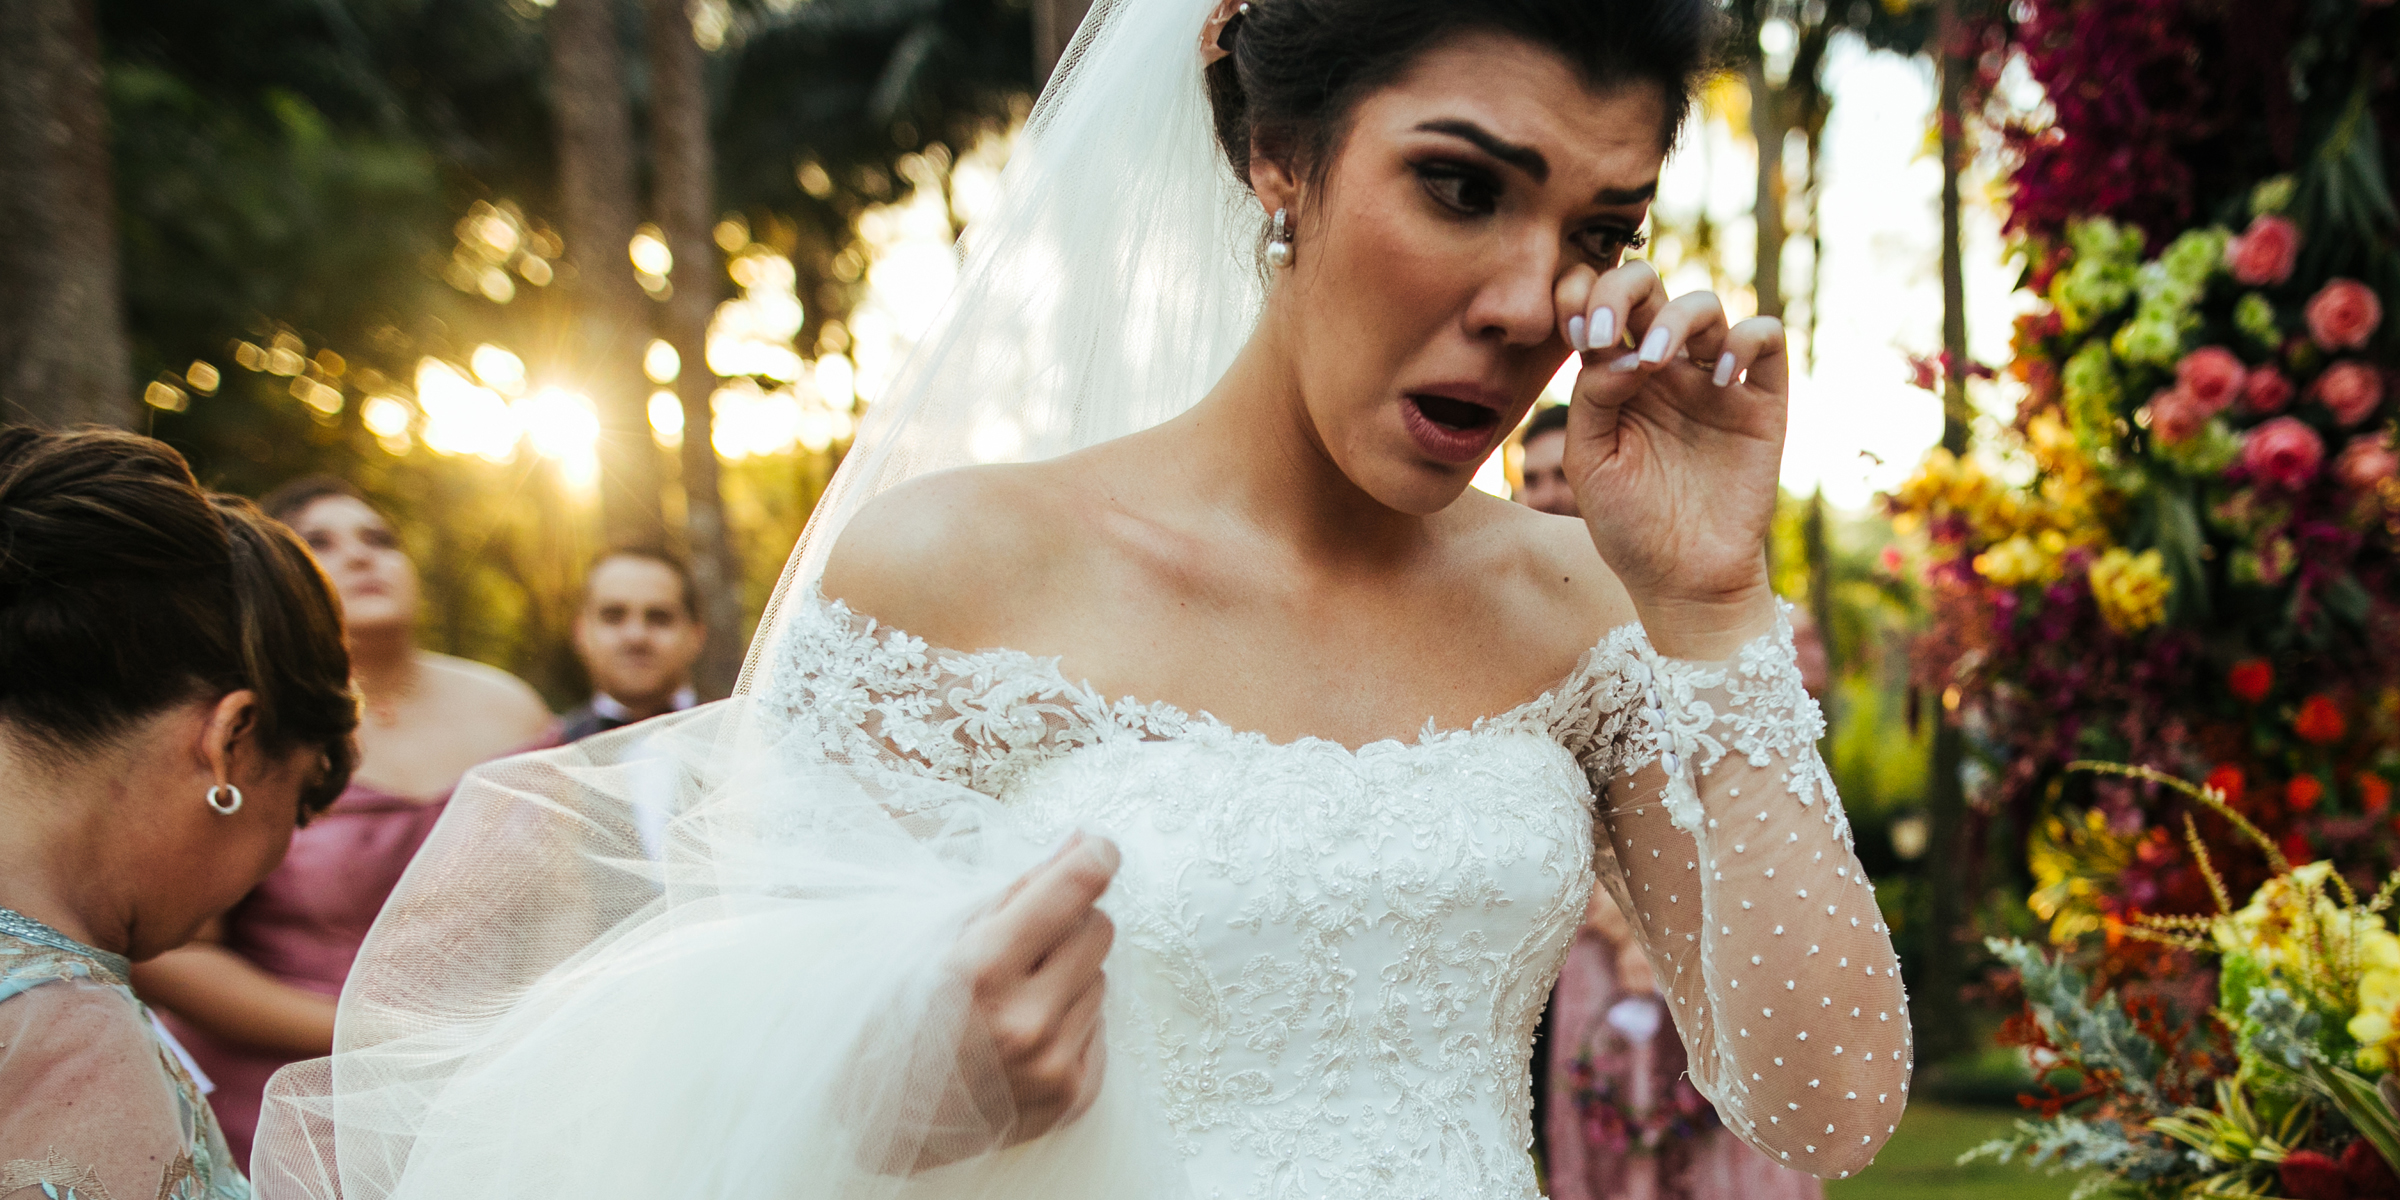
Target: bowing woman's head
174,695
1441,165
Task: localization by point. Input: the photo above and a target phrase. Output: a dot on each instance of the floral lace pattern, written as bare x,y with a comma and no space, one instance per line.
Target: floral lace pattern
1341,955
34,955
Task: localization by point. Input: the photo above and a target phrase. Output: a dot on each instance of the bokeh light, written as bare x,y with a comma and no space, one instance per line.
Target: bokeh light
666,419
661,363
564,428
462,416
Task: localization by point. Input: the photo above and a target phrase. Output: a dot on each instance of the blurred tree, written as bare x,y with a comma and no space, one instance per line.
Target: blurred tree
596,197
1054,25
62,333
683,194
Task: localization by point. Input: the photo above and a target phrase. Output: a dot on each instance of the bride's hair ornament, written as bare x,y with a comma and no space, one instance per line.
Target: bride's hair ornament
1219,29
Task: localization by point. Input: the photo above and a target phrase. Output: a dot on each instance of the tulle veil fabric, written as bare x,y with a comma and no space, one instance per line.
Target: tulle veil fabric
704,956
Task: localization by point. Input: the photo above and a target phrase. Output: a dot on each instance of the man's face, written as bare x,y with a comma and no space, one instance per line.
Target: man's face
634,634
1546,476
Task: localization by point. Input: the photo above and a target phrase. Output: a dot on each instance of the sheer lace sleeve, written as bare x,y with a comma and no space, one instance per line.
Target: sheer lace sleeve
1733,857
88,1107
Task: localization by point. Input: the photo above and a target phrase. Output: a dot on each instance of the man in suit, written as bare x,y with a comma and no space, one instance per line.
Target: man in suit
638,634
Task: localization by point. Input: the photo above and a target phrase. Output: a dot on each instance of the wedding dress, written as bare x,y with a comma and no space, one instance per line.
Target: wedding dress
709,956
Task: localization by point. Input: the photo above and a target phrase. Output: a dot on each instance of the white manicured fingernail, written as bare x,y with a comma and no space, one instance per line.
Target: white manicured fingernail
1654,347
1724,368
1625,362
1604,328
1575,333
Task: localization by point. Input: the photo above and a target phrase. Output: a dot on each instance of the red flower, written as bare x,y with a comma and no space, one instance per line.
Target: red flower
2359,1174
2303,792
2343,314
2212,375
2250,679
2282,452
2175,414
2365,462
2320,721
2266,390
2374,793
2263,254
2228,783
2350,389
2296,848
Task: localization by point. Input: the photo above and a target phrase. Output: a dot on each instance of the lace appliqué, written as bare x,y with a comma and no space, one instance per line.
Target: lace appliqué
1769,719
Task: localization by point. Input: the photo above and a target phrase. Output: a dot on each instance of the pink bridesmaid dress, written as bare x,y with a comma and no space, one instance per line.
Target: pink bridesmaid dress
1622,1121
304,925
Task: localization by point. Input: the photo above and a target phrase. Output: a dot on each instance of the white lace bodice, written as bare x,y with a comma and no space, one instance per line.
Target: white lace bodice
1339,956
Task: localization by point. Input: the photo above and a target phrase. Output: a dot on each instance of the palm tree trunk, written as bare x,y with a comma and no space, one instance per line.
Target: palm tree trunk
1054,23
1939,1018
683,194
1768,122
63,354
596,198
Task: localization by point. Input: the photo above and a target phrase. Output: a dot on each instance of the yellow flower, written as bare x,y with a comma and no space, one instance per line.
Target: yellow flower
2131,588
2377,1025
2019,560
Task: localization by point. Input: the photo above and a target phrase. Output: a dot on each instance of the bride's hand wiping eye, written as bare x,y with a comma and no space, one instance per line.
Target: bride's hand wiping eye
1674,445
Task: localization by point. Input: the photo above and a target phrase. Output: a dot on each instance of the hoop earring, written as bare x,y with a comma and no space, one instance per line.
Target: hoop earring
224,809
1279,244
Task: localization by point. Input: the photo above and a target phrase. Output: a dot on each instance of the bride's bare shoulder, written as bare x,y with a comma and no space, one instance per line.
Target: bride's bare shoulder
942,554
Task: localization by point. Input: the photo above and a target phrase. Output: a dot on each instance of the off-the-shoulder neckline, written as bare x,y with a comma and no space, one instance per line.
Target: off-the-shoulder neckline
1618,643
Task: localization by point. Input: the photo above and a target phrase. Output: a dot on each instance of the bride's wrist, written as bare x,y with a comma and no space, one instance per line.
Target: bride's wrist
1709,628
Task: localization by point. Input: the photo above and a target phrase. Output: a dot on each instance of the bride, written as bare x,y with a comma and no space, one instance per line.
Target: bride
1160,773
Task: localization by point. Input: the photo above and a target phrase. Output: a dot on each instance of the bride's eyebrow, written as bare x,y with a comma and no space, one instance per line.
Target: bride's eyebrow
1523,158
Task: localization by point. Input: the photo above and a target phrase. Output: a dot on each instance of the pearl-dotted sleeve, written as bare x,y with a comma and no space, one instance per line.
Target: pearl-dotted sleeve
1734,861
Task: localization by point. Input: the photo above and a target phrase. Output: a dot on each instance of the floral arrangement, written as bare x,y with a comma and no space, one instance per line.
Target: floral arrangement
2185,550
2287,1091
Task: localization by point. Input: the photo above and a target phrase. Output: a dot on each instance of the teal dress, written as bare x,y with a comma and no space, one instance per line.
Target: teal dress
95,1104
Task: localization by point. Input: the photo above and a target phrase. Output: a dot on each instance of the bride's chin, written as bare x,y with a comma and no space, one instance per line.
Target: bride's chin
1412,486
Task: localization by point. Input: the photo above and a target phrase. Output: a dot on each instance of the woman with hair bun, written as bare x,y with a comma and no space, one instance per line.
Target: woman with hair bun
256,990
174,700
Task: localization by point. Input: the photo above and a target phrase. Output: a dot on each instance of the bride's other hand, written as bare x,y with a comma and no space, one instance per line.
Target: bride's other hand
1674,445
1032,965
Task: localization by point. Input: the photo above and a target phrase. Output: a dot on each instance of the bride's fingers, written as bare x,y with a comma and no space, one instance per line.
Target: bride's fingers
1047,906
1623,303
1693,324
1757,346
1074,965
1571,299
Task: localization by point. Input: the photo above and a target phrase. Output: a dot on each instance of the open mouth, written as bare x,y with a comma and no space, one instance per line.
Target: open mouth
1456,416
1449,429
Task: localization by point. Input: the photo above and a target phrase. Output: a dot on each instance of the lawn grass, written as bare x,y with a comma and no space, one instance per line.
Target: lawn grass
1921,1161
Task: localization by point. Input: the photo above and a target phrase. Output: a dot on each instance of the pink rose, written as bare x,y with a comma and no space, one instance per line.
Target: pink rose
2350,389
2365,462
2265,390
2263,254
2343,314
2212,375
2175,415
2283,452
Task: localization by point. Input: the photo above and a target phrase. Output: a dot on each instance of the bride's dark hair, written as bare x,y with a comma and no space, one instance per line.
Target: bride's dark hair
1298,67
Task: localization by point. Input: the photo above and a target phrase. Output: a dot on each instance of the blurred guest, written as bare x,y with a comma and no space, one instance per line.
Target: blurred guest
1545,445
256,990
174,700
1615,1117
638,634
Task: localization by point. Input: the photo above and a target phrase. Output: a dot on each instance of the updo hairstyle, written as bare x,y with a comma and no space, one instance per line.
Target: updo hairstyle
126,589
1298,68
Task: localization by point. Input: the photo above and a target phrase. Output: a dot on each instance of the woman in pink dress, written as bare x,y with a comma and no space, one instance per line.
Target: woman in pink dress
1622,1121
257,989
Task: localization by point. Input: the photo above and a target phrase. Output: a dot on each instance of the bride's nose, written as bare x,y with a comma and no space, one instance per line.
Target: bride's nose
1514,304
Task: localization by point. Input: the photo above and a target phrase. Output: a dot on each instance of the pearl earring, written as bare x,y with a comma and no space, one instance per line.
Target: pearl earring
1279,245
224,808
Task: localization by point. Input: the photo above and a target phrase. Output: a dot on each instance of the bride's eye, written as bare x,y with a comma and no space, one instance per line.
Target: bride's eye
1461,189
1608,243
